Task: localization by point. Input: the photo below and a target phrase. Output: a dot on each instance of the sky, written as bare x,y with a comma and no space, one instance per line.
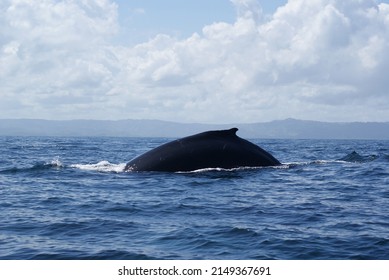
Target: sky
201,61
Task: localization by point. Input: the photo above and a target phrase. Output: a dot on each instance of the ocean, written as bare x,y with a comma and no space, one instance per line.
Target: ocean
69,198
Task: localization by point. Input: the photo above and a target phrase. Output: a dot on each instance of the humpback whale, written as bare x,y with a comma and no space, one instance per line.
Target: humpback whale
210,149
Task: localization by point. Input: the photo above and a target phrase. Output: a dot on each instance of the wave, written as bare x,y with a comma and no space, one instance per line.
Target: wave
242,168
217,169
357,158
81,255
56,163
353,157
36,167
102,166
313,162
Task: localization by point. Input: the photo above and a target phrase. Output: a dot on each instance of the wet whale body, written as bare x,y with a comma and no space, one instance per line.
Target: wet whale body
211,149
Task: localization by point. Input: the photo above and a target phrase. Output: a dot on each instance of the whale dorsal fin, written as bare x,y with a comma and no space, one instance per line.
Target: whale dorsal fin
228,132
218,133
232,130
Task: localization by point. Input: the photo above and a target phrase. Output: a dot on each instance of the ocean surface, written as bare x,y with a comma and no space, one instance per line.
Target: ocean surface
68,198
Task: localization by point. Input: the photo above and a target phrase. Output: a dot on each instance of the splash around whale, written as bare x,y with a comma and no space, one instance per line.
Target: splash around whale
210,149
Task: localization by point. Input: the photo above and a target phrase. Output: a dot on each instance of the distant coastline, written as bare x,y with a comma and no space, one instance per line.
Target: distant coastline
281,129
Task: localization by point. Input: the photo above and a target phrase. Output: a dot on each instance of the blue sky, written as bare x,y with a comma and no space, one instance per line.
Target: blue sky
219,61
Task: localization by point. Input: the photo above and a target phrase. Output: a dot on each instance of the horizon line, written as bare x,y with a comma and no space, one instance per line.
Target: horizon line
192,122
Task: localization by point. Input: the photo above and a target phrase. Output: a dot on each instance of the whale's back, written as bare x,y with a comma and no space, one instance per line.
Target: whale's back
211,149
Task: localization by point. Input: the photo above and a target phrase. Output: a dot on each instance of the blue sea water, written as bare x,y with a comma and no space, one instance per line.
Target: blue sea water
68,198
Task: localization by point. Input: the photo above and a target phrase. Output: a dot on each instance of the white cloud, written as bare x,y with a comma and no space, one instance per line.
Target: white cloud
53,55
320,59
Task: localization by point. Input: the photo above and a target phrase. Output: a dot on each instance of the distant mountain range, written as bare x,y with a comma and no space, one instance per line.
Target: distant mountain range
286,129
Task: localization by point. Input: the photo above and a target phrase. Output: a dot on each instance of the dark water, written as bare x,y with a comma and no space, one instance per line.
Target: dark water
68,198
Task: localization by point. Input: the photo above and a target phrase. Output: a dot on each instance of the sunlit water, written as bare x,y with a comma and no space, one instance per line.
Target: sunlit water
68,198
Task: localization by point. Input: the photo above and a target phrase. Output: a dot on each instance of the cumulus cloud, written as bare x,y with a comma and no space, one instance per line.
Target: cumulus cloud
52,56
311,59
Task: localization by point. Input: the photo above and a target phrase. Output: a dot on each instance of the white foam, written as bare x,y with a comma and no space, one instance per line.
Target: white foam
102,166
302,163
210,169
56,162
